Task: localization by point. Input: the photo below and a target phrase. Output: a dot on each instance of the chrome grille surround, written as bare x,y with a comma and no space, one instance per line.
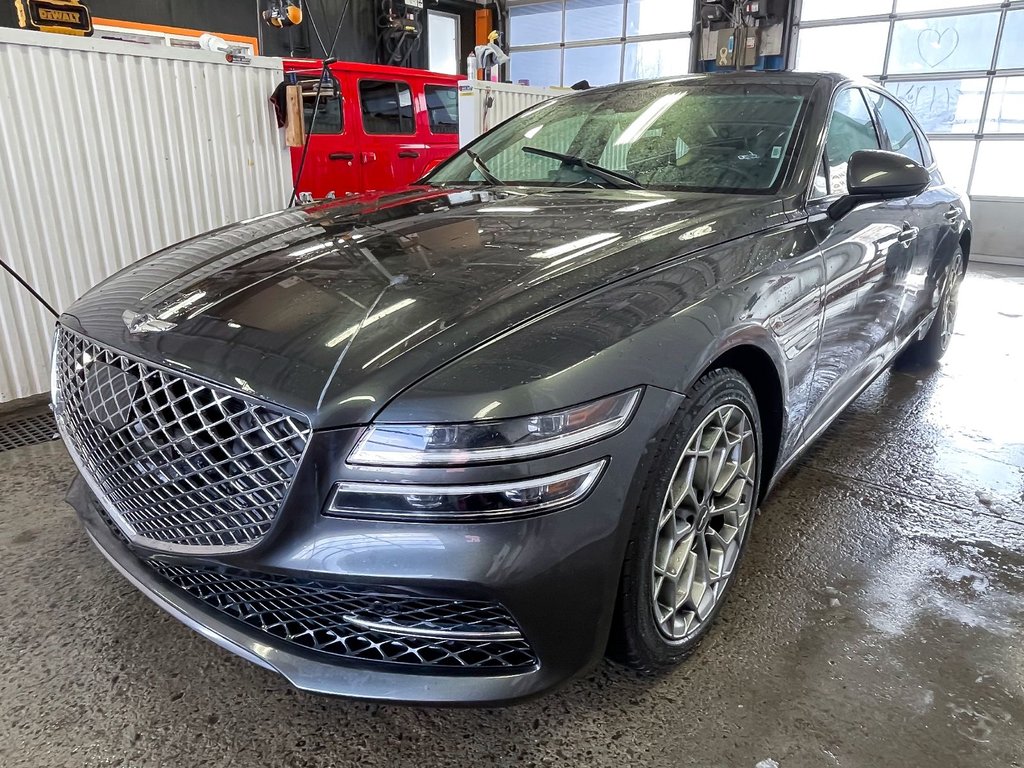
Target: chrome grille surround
179,465
361,624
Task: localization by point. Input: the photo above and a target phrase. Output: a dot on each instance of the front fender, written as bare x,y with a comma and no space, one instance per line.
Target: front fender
662,328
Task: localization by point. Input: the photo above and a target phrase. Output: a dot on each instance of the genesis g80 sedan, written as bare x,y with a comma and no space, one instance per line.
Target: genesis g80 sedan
456,443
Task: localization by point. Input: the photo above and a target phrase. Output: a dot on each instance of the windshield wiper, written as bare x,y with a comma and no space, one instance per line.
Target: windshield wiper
615,178
481,166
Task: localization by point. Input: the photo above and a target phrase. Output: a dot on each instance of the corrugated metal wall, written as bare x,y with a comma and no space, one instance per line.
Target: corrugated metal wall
110,151
476,115
509,100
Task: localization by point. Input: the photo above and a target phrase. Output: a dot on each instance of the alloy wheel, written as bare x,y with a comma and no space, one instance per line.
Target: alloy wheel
951,299
703,522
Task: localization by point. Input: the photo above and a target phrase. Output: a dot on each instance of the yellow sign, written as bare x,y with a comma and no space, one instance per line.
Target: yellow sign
67,17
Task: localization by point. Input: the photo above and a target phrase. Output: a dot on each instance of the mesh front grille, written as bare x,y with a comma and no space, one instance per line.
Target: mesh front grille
182,465
331,619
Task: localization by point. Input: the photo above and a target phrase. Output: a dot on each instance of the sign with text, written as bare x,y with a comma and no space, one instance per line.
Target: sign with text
68,17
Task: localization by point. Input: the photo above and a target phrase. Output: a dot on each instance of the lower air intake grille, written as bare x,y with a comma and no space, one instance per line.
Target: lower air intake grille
182,466
362,625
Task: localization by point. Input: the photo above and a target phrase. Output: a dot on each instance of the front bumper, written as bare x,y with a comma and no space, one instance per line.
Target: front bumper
556,575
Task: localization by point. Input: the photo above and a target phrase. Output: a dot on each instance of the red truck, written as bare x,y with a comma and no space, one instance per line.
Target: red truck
377,128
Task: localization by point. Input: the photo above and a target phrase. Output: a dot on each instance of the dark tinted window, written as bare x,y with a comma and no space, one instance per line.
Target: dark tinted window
328,108
387,107
902,137
442,108
850,129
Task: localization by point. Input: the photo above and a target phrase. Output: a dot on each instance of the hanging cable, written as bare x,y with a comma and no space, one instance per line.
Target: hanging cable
312,23
337,29
325,73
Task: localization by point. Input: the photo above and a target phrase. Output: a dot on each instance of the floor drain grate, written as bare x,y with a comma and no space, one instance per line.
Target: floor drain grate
27,430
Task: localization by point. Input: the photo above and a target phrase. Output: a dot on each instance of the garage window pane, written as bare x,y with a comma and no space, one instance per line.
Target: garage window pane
593,19
597,64
946,44
657,58
535,23
996,173
815,10
954,159
943,106
854,49
1006,106
537,67
910,6
654,17
1011,52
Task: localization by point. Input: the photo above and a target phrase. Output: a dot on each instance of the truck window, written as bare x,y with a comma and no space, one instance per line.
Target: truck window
387,107
329,114
442,108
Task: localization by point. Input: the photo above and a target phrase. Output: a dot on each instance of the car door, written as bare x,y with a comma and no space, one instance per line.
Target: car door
865,253
937,213
392,149
331,164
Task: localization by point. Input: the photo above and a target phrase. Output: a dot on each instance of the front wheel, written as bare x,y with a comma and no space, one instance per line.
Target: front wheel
692,524
930,349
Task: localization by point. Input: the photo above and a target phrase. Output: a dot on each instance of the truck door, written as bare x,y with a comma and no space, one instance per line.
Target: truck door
392,152
331,163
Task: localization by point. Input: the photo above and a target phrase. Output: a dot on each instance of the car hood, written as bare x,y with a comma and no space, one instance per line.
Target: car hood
333,309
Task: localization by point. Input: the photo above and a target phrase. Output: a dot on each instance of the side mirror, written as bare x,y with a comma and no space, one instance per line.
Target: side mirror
873,174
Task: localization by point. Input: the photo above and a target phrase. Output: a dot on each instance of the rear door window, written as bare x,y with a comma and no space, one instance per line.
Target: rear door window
901,133
387,107
442,108
851,128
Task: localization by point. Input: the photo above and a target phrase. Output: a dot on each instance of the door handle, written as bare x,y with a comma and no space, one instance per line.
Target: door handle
953,213
907,236
341,156
368,157
408,153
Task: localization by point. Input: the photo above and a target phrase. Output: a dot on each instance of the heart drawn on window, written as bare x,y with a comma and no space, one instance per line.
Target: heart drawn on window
935,47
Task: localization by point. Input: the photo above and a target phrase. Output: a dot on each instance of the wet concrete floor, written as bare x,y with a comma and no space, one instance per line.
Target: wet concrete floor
877,620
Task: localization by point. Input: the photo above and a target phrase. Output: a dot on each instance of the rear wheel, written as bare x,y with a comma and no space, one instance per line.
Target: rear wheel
692,524
930,349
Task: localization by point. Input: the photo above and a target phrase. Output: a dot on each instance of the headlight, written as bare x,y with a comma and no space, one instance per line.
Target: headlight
465,503
415,445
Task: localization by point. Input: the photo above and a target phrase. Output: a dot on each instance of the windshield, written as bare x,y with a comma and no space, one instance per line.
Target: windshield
672,136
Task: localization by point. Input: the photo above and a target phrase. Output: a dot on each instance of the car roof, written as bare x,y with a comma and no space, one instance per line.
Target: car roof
808,79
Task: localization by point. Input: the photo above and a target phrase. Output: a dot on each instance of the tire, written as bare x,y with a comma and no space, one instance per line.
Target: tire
929,349
645,637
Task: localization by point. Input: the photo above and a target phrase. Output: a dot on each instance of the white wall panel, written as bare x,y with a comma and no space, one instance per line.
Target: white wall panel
483,104
110,151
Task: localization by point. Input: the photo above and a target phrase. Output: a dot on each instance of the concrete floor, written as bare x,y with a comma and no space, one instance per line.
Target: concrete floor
877,620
